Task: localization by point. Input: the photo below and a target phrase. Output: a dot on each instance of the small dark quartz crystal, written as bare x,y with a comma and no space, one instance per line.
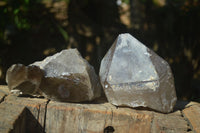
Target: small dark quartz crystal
26,79
133,75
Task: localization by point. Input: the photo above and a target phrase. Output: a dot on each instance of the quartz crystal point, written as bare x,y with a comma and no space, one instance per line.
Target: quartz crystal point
25,79
133,75
69,77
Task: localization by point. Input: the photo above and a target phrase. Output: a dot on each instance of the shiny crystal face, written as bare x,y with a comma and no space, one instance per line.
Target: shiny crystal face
133,75
69,77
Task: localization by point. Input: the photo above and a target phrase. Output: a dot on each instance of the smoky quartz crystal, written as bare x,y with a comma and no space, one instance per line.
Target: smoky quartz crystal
133,75
69,77
65,76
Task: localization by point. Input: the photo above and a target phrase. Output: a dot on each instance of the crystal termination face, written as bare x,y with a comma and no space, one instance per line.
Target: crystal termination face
133,75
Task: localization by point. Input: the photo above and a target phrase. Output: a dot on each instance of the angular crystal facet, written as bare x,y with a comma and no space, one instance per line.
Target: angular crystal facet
133,75
69,77
26,79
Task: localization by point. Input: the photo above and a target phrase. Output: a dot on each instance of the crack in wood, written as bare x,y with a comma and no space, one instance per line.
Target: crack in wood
152,121
45,115
3,98
105,117
189,128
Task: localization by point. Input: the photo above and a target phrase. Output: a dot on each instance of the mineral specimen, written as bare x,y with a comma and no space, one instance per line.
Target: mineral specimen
25,79
69,77
133,75
66,76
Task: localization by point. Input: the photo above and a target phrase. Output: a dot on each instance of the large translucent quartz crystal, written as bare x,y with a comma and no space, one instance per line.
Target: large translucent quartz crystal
69,77
133,75
24,79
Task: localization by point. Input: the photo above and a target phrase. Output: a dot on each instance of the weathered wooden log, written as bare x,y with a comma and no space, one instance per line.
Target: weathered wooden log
25,114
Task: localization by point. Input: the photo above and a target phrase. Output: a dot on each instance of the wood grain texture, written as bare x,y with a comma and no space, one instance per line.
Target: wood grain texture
35,106
12,118
170,123
23,114
94,118
192,113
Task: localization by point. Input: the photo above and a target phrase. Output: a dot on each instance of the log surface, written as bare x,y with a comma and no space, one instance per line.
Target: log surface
25,114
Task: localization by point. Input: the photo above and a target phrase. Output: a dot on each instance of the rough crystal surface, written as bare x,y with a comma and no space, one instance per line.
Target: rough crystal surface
25,79
133,75
69,77
66,76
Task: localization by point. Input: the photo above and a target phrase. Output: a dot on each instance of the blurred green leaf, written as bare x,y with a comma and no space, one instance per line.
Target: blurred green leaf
67,1
16,11
126,1
21,23
63,32
26,1
5,10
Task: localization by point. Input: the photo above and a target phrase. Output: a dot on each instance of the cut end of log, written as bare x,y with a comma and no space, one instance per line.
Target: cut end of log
25,114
